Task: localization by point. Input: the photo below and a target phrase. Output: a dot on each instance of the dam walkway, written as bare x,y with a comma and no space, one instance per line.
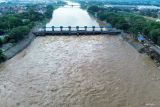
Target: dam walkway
102,30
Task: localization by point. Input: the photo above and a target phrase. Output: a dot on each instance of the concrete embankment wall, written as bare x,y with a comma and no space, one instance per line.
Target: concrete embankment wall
19,46
150,50
11,52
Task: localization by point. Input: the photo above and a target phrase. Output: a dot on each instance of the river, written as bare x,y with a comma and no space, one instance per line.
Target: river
79,71
68,16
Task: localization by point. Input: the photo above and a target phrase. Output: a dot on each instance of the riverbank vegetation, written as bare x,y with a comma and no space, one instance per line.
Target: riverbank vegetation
2,56
15,27
121,2
129,22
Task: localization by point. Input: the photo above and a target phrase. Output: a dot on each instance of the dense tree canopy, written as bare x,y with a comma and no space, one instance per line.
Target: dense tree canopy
8,22
155,35
49,11
93,9
19,33
16,26
129,22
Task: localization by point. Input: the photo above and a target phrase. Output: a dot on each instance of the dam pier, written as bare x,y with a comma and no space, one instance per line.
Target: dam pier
101,30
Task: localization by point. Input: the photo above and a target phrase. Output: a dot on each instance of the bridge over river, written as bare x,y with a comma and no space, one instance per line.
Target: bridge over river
100,30
79,71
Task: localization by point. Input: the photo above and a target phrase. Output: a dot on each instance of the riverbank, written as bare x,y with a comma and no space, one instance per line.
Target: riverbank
118,20
16,29
127,37
12,50
144,48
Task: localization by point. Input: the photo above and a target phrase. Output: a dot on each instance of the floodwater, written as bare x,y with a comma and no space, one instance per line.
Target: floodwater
72,16
79,71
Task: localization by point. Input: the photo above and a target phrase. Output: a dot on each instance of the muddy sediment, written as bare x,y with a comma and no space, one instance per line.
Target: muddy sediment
79,71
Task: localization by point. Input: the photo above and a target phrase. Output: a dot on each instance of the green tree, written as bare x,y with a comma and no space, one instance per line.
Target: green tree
19,33
49,11
122,24
158,40
8,22
155,35
2,56
2,31
93,9
14,21
102,16
1,42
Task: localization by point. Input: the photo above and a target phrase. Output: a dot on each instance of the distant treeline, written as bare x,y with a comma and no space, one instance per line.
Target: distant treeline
122,2
128,22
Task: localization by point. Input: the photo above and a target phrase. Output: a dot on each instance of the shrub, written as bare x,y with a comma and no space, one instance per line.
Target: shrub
19,33
155,35
1,42
2,56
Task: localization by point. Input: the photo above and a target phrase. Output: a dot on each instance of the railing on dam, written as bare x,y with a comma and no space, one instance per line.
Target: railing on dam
67,5
76,30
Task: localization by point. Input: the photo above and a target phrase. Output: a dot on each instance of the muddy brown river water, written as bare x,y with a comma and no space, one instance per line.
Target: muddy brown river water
84,71
79,71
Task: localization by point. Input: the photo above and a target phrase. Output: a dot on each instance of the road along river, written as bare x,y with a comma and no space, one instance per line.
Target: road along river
79,71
